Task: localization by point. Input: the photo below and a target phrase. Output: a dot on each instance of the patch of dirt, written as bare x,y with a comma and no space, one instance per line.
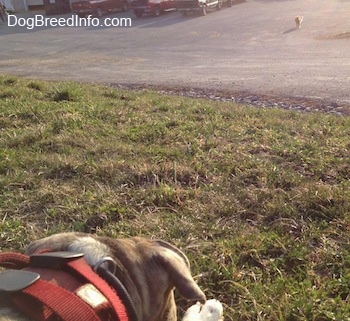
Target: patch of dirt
302,104
343,35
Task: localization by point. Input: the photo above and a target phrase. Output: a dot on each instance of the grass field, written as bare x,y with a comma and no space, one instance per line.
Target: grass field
259,199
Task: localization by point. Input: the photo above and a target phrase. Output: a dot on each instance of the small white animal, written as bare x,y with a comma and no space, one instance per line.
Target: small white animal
212,310
298,21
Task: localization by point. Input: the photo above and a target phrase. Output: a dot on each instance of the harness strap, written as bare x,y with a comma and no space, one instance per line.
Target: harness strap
82,268
110,278
12,260
61,302
47,299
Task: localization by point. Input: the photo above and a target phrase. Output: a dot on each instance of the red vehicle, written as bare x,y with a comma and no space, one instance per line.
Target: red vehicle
154,7
98,8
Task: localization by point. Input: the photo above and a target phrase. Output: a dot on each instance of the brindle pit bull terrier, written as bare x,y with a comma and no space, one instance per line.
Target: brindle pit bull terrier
148,269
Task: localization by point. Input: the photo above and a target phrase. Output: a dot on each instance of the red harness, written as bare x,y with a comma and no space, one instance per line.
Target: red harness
58,286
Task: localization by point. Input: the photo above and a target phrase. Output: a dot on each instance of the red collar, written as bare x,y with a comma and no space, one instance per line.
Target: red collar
59,286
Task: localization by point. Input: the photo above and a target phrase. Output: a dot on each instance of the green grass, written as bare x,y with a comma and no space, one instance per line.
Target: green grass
259,199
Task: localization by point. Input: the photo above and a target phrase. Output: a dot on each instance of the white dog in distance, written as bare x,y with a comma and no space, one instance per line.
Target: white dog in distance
298,21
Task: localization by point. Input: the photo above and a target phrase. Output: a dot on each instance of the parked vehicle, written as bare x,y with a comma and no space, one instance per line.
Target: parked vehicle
201,6
98,8
154,7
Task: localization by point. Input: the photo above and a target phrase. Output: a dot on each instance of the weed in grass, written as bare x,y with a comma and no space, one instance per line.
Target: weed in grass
8,94
35,85
8,80
69,92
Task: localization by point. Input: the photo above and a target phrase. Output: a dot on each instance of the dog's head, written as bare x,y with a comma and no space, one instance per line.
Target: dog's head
149,269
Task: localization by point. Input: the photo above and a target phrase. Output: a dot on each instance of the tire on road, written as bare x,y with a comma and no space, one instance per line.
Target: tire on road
138,13
99,12
157,11
125,6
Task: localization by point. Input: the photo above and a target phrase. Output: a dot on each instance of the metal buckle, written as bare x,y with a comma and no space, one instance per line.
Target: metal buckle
17,280
53,260
112,266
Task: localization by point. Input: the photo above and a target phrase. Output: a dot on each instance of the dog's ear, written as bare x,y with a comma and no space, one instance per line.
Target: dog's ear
177,266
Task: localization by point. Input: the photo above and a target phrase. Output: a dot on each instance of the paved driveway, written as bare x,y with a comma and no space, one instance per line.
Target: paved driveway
252,47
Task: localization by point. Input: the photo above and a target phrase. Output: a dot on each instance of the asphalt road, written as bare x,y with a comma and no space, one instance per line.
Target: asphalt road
252,47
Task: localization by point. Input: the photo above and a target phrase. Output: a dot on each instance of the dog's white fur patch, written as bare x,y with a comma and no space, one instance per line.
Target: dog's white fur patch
92,249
